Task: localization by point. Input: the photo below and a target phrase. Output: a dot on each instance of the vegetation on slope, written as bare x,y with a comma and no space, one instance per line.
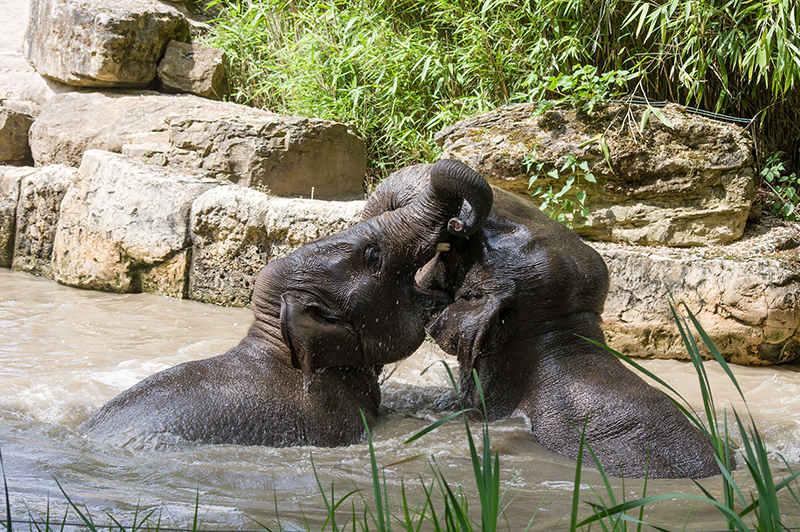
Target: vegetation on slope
399,71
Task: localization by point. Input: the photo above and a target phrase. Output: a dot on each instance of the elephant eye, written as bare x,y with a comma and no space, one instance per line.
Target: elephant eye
372,256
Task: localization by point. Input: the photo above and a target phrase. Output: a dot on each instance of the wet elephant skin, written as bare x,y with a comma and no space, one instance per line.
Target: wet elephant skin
327,317
525,289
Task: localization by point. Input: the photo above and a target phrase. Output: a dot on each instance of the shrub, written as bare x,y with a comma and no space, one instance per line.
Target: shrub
397,72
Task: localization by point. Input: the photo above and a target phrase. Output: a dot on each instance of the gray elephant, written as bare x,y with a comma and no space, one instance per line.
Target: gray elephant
524,288
326,318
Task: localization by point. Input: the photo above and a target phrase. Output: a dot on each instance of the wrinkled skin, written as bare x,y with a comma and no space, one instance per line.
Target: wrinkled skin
524,289
326,318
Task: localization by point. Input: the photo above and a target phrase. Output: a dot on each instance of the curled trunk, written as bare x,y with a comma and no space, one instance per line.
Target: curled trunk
449,181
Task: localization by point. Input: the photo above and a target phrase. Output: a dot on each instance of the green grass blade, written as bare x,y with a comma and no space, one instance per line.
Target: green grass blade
644,493
330,517
436,424
376,484
195,520
624,507
86,519
114,519
5,490
577,480
603,475
428,499
455,508
714,351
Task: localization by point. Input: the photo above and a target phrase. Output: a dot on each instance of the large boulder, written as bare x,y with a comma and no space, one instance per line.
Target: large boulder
289,156
101,43
190,67
746,296
38,207
15,121
124,227
19,82
683,181
236,231
10,178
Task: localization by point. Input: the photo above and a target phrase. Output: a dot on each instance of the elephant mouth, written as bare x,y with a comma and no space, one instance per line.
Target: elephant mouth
433,298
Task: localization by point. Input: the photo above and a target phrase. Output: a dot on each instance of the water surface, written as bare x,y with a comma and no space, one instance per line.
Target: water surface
64,352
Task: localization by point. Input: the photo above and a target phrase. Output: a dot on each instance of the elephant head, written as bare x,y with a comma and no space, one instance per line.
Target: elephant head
525,290
326,316
351,299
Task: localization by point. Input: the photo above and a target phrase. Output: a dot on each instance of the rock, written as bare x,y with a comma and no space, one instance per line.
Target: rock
38,209
193,68
745,295
283,154
18,80
236,231
70,124
15,122
689,183
124,227
10,177
101,43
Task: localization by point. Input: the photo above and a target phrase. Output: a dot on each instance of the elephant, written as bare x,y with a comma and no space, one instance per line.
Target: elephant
327,317
525,289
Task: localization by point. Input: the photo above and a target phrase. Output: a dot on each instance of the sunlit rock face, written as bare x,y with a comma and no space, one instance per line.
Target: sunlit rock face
10,178
683,181
284,155
190,67
746,295
124,227
101,43
38,209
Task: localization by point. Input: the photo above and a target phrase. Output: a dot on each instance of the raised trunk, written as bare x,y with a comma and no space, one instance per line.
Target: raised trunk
448,180
420,217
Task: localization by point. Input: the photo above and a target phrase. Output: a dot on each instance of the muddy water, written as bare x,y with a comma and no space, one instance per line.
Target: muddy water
64,352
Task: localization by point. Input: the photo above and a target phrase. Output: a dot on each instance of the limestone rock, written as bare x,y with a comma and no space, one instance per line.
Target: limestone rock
193,68
236,231
283,154
14,125
10,177
688,183
101,43
69,124
37,214
746,296
18,80
124,227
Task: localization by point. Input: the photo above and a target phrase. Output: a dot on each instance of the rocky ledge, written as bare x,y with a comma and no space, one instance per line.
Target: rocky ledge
681,180
746,295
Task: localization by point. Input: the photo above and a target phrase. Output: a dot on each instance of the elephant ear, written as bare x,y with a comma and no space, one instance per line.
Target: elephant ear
316,337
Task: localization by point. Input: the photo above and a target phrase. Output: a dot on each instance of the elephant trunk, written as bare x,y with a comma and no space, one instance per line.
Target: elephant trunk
451,177
431,215
445,183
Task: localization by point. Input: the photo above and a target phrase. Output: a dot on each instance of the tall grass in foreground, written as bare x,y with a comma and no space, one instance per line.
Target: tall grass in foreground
446,507
762,508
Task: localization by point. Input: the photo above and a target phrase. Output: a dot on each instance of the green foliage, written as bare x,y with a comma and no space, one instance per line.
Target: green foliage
562,194
718,50
583,88
397,72
785,187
